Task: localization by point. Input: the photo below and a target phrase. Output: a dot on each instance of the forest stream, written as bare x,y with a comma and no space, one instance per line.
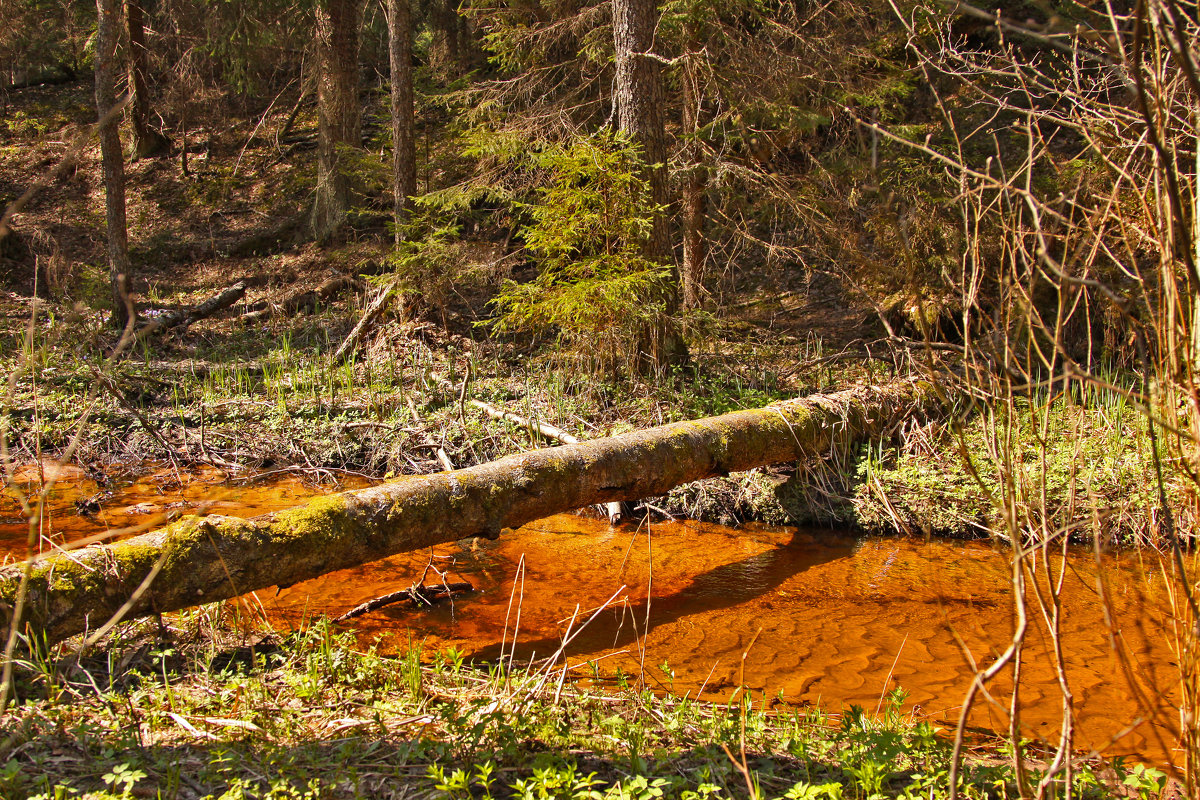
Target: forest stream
829,617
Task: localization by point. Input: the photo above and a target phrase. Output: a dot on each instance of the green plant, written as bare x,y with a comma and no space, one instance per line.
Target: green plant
411,674
122,779
639,787
1148,782
813,791
456,785
595,291
557,782
871,774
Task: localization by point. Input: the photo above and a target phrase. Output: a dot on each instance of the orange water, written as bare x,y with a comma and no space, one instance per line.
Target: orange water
142,503
833,618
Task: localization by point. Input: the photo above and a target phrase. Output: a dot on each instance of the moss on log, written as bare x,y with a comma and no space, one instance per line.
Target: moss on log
216,557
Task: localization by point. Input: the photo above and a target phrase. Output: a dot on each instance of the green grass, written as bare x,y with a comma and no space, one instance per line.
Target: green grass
1084,464
204,713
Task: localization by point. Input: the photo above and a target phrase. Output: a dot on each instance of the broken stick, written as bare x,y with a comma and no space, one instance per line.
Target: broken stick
417,595
364,323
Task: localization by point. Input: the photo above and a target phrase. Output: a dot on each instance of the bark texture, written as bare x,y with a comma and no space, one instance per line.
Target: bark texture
404,153
112,160
148,141
695,192
201,560
639,102
340,118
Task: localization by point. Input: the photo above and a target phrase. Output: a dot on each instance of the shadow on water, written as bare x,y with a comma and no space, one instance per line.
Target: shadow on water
835,619
721,588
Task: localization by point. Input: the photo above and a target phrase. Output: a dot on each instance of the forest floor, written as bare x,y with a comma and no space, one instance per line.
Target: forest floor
255,388
202,712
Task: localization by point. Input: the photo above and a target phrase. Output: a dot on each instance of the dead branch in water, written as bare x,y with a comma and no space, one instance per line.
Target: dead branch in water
417,595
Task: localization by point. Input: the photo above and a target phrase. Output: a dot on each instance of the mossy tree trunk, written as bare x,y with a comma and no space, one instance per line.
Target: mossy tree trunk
201,560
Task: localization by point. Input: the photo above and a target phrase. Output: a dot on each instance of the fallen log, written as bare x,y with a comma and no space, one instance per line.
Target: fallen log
202,560
186,316
547,431
302,301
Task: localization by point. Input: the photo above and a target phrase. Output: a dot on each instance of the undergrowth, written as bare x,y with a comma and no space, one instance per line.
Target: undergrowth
1085,465
232,394
308,715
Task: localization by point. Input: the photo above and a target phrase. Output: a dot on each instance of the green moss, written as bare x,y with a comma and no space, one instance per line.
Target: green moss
60,575
556,465
799,415
178,538
133,555
319,520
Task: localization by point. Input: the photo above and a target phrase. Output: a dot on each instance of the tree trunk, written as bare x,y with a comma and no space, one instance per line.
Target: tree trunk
148,140
639,101
112,159
613,510
695,192
339,115
404,153
447,52
202,560
469,53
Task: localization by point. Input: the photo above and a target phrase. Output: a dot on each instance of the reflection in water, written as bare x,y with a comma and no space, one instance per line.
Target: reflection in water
843,619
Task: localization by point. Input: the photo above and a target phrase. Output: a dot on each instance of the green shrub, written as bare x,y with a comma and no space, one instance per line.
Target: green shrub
595,292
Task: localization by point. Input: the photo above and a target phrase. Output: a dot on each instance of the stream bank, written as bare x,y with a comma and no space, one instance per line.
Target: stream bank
826,619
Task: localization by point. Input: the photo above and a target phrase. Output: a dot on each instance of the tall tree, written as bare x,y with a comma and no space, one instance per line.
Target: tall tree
404,157
339,127
108,16
443,14
148,140
639,102
695,188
